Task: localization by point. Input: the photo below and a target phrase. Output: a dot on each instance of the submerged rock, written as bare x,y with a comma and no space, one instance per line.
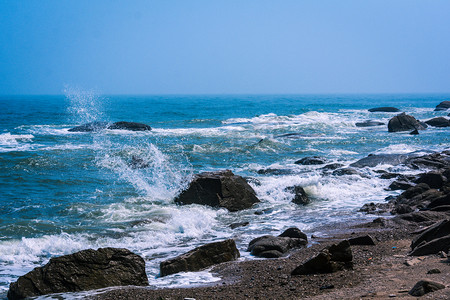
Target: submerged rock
133,126
312,160
300,196
90,127
270,246
369,123
444,105
84,270
384,109
98,126
404,122
334,258
219,189
201,258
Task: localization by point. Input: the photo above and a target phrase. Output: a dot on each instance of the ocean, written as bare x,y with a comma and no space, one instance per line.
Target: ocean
61,191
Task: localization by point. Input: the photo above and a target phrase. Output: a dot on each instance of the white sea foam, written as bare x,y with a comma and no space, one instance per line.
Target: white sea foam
15,142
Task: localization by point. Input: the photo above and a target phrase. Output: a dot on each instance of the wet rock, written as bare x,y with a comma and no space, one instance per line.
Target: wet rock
434,160
401,209
90,127
383,159
438,122
133,126
137,162
333,166
414,132
433,240
404,122
270,246
347,171
313,160
384,109
376,208
271,171
334,258
424,287
400,185
389,175
84,270
414,191
434,180
239,224
439,202
444,105
201,258
300,196
219,189
369,123
423,217
362,240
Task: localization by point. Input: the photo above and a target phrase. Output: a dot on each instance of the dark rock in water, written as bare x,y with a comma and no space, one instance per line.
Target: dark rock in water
389,175
272,171
219,189
138,163
439,122
434,160
400,185
130,126
401,209
90,127
82,271
383,159
270,246
362,240
201,258
434,239
300,196
333,166
369,123
414,132
378,208
313,160
348,171
384,109
239,224
414,191
404,122
444,105
434,180
334,258
424,287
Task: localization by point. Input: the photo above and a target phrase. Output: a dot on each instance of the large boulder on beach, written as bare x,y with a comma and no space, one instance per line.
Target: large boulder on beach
438,122
133,126
444,105
219,189
332,259
424,287
384,109
84,270
90,127
433,240
270,246
201,258
404,122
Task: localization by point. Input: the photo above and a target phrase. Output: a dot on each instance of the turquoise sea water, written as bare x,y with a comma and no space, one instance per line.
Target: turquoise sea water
61,192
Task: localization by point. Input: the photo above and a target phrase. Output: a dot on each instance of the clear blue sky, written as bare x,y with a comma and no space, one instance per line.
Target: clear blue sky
244,46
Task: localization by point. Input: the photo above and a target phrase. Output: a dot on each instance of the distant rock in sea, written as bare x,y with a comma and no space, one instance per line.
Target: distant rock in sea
368,123
384,109
438,122
404,122
444,105
98,126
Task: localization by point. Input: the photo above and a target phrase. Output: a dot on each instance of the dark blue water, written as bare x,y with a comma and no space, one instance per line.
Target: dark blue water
61,192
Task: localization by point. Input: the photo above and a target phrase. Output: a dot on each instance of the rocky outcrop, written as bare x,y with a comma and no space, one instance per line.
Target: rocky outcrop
300,196
404,122
368,123
98,126
270,246
312,160
374,160
332,259
85,270
201,258
219,189
384,109
438,122
444,105
424,287
434,239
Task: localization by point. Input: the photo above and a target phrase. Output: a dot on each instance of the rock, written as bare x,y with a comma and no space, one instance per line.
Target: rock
90,127
444,105
138,163
404,122
362,240
434,179
300,196
347,171
414,132
434,239
272,171
333,166
424,287
423,217
434,160
420,201
438,122
270,246
389,175
129,126
313,160
239,224
84,270
383,159
219,189
378,208
384,109
434,271
400,185
413,191
369,123
401,209
439,202
334,258
201,258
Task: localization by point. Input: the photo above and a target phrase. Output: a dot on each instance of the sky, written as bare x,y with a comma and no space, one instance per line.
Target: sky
225,46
